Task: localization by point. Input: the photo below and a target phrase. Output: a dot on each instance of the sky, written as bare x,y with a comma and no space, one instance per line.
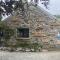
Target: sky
53,7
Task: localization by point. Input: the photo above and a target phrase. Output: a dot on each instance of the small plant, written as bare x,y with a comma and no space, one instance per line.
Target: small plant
36,46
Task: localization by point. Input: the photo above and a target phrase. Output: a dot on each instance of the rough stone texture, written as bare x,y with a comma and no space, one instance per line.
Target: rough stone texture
43,27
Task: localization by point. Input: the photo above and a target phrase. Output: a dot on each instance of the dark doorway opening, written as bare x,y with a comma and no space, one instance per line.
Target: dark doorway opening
23,32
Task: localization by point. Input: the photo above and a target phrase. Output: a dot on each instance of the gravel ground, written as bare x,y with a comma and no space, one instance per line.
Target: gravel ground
29,56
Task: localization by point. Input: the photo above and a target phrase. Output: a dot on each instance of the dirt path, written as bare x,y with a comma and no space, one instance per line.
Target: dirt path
30,56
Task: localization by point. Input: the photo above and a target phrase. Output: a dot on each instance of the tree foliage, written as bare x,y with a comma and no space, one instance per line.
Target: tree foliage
9,6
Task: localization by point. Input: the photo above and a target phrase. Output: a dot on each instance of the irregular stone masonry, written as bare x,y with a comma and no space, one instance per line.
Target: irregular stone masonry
42,25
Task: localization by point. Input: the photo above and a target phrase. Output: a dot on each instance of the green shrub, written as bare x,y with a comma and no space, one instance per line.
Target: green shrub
7,33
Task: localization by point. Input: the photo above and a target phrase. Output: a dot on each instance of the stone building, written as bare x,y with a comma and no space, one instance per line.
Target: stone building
39,26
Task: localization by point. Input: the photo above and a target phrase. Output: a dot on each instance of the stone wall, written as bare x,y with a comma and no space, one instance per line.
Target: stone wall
42,26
